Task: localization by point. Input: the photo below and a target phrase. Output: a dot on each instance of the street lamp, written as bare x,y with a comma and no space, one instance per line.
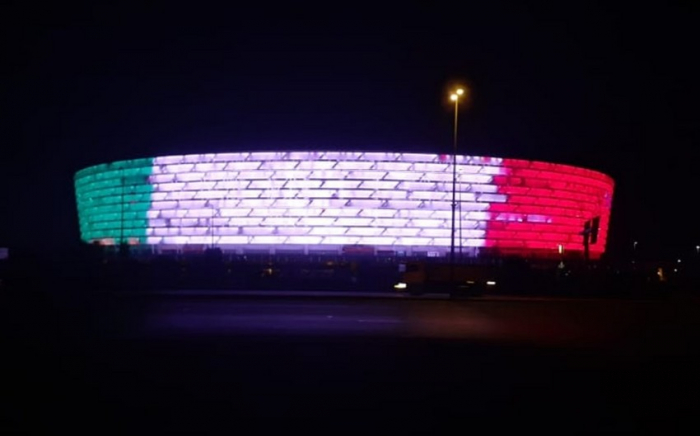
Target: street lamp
455,97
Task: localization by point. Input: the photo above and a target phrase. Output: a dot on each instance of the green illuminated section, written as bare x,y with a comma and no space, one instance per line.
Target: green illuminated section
113,200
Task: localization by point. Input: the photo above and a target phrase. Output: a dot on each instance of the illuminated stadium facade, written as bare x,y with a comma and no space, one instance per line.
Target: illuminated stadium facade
328,201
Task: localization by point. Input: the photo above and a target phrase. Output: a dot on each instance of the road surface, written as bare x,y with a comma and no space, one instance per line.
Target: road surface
248,363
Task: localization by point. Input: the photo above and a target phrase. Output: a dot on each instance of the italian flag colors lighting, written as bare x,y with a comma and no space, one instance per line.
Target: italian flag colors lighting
390,200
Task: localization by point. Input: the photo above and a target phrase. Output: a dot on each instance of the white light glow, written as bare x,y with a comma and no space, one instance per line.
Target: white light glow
305,240
377,184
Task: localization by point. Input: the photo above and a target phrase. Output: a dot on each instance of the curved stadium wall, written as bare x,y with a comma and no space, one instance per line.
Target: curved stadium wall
313,201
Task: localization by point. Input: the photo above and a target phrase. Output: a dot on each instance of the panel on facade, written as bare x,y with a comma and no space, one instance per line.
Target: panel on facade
342,198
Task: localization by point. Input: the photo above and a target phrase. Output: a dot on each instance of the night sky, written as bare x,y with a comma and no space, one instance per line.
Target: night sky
606,87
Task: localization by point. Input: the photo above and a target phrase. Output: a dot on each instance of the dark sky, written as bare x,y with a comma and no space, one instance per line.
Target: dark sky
608,87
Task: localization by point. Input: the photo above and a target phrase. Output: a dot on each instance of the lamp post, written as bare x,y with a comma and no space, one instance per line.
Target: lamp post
121,213
455,96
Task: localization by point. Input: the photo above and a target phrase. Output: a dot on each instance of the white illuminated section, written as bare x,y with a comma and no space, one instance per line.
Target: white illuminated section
234,184
293,231
404,175
246,221
220,175
301,184
258,231
492,198
407,231
290,203
378,240
239,212
181,195
279,221
415,241
290,174
268,240
303,212
206,194
367,175
171,186
242,166
379,184
377,213
193,231
392,166
234,240
279,165
328,175
365,203
319,198
340,240
267,184
304,240
316,165
199,213
223,157
435,232
316,222
164,205
226,231
341,212
365,231
341,184
354,165
161,178
353,222
255,175
191,177
256,203
388,195
214,170
267,212
391,222
431,167
180,168
427,195
172,213
422,223
329,231
317,193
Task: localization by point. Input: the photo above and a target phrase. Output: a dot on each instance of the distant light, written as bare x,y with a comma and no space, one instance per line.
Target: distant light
470,282
400,285
679,261
460,91
675,269
561,248
491,283
454,97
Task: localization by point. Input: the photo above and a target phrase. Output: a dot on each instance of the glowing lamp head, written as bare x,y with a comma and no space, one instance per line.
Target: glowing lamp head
454,97
460,91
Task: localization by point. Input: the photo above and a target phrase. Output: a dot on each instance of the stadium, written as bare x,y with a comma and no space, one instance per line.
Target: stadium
340,202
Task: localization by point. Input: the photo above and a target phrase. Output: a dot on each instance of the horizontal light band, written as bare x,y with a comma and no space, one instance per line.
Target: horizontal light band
342,198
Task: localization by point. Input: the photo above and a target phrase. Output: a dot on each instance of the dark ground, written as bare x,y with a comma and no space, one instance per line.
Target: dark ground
337,365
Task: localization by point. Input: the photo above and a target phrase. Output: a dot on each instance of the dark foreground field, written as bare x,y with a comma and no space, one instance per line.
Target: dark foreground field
335,365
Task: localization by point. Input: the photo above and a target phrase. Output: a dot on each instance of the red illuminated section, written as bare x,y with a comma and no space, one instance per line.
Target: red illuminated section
547,205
